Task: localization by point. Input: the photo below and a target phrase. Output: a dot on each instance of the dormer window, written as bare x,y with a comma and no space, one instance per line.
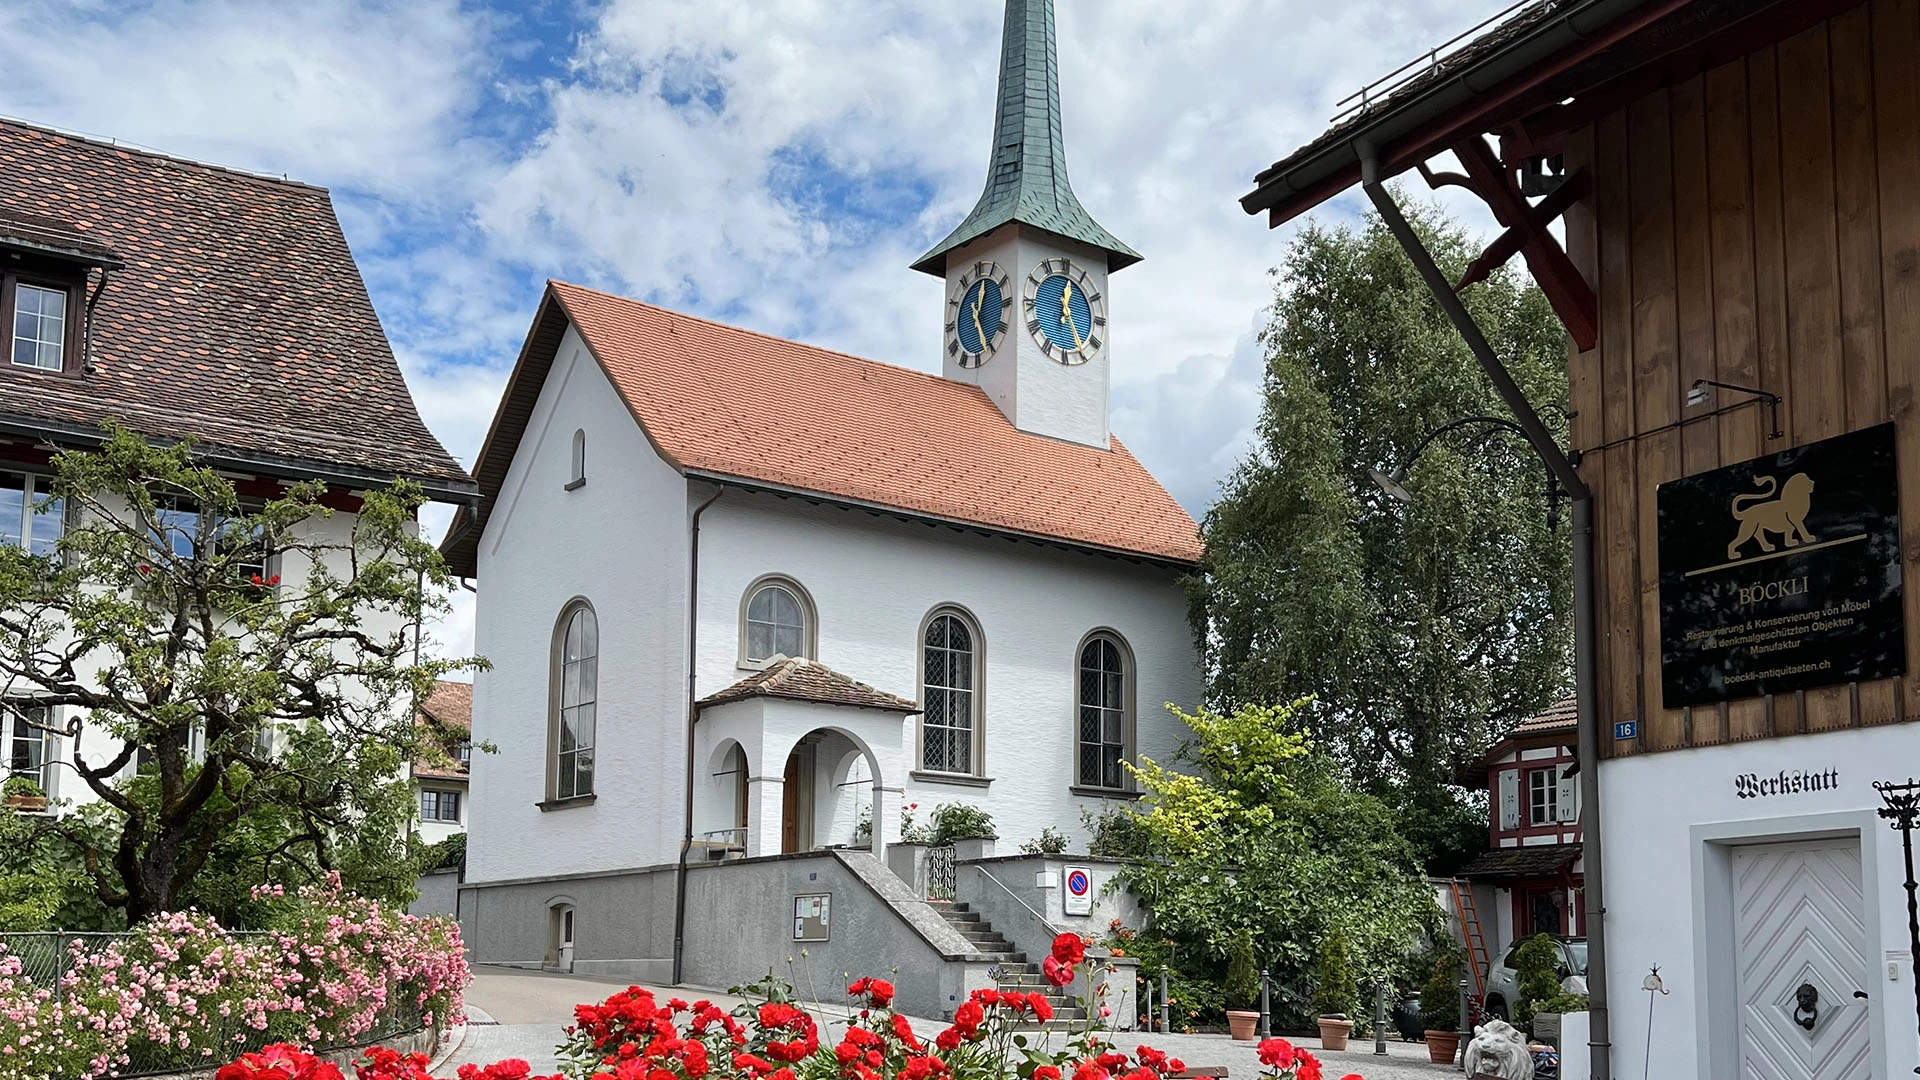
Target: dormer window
39,327
40,317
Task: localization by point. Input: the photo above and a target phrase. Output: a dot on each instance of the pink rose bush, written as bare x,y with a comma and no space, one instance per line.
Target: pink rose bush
181,992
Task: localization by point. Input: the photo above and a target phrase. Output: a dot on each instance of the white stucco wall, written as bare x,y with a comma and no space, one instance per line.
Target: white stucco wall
873,581
620,542
1668,816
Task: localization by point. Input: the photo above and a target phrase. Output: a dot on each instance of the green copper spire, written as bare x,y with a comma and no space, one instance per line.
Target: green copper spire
1027,181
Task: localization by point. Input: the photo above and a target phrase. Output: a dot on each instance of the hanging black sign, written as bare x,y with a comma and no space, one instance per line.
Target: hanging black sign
1782,573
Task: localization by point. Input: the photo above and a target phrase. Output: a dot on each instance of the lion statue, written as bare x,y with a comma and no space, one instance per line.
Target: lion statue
1786,515
1498,1052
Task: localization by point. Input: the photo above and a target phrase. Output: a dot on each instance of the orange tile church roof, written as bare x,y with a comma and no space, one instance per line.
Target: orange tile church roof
721,401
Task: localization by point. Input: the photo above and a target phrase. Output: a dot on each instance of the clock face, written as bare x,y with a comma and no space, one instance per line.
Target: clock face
979,304
1066,317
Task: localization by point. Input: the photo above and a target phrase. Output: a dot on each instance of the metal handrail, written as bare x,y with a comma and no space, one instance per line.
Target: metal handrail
1052,929
1425,62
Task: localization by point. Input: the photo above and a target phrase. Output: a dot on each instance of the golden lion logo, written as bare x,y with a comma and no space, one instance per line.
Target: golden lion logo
1786,515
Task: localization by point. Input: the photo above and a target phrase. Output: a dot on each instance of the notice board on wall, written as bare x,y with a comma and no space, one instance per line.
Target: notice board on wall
811,914
1782,573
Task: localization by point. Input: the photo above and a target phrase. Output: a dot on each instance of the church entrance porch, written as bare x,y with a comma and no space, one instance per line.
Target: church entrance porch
800,758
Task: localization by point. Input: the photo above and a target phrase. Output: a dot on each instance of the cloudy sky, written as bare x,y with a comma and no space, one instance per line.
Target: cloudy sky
770,163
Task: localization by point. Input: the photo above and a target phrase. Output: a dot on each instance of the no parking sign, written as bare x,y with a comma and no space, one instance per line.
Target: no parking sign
1079,896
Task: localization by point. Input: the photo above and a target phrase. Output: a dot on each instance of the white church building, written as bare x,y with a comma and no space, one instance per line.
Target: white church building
746,600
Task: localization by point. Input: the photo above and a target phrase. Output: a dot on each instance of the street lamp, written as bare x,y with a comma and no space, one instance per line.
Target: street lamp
1395,482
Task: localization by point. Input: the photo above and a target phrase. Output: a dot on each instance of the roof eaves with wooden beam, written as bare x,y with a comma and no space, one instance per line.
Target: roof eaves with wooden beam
1526,234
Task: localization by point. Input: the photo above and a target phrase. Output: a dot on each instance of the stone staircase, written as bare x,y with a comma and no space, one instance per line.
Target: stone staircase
1015,973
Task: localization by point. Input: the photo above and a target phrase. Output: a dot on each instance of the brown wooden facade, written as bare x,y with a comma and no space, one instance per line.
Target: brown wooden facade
1756,224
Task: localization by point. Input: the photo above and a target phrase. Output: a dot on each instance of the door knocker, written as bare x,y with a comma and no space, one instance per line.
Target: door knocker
1806,1006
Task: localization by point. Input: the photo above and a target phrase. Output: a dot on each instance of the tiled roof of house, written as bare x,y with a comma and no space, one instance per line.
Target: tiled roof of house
798,679
1517,862
719,401
1561,716
447,715
239,316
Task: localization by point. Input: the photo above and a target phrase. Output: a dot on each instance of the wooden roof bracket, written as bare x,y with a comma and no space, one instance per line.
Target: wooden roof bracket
1526,233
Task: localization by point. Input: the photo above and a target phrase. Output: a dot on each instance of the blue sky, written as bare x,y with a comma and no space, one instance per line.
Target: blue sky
771,164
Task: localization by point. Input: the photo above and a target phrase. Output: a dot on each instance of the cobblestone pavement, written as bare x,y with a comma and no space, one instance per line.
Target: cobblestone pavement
519,1014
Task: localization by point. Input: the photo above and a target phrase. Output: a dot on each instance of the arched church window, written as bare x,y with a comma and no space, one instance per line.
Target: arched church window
1105,725
577,461
575,696
778,622
950,694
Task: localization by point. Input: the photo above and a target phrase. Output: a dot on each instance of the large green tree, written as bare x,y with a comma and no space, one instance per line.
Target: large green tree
236,679
1421,630
1253,832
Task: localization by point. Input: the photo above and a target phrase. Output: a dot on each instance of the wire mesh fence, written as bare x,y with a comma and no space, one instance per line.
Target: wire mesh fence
48,960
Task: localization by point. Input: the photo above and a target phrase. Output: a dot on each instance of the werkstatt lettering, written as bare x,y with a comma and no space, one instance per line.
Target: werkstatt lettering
1784,782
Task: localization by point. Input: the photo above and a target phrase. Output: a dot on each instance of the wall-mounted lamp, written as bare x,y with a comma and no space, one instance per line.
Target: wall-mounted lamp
1701,392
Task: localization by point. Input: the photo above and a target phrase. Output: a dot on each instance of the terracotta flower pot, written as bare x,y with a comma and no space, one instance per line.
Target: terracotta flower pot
1241,1025
1441,1046
1334,1032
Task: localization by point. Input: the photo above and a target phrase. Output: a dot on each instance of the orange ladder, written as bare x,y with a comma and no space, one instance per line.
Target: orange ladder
1479,961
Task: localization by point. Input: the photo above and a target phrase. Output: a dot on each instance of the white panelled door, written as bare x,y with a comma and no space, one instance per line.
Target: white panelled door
1800,956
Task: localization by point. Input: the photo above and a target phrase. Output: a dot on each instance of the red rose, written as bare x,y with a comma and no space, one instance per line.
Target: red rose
1069,949
1046,1072
1277,1053
1057,973
1041,1007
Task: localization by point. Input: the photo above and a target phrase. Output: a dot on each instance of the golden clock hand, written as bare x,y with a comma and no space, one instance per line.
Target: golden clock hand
980,297
1066,314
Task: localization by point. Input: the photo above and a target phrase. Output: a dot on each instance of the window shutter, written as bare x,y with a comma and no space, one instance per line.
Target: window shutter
1568,809
1510,799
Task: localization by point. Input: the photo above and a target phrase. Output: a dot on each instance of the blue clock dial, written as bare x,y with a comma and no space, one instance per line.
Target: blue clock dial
1065,312
979,303
977,323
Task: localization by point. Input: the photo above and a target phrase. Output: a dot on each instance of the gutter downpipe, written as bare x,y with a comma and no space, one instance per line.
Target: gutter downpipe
693,639
1585,626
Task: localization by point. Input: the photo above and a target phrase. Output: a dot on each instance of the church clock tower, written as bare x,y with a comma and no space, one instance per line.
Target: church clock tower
1026,306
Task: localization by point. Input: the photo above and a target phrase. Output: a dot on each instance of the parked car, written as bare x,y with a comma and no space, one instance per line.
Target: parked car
1503,982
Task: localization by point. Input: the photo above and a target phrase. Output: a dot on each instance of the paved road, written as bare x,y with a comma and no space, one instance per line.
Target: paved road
519,1014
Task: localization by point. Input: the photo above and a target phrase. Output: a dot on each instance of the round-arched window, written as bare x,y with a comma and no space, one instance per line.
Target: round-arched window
776,624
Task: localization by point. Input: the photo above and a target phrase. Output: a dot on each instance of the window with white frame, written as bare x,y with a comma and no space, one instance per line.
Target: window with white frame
28,517
776,623
1104,720
949,694
439,805
577,670
39,327
29,744
1543,790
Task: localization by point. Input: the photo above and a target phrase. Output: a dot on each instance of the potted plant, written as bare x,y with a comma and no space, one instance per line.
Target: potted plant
1538,968
1243,989
1440,1006
1333,992
22,793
